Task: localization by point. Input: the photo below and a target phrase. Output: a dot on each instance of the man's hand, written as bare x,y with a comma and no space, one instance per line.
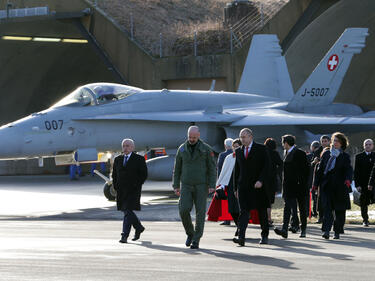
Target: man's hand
211,190
258,184
177,191
370,187
359,188
316,160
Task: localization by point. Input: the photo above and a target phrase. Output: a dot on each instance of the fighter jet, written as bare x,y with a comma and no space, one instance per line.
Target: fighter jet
96,117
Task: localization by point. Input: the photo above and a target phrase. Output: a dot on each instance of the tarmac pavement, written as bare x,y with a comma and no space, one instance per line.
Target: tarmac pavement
73,243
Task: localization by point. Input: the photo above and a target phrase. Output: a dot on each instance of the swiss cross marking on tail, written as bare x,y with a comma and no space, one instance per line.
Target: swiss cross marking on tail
333,62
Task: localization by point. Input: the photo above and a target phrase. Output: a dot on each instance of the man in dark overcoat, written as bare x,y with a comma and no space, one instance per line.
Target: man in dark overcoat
364,162
295,188
129,173
251,171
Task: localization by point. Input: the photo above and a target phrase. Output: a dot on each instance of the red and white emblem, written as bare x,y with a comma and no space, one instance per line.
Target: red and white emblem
333,62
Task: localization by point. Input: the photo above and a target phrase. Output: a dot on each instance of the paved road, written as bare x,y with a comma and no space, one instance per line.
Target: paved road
78,240
88,250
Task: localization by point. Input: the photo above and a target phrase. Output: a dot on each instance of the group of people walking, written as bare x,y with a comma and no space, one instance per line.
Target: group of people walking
249,176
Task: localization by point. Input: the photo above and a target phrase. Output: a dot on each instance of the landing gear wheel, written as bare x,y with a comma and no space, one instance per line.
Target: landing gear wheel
109,192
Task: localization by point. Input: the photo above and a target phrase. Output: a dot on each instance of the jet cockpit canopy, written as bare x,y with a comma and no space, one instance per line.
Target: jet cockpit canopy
97,93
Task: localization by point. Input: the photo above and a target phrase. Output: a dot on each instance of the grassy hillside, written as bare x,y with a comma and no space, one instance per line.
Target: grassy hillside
176,20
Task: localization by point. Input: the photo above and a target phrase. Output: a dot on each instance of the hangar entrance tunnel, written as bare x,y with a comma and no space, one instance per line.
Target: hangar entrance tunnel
40,64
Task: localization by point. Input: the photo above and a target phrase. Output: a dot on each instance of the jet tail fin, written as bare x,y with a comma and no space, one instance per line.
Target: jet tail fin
265,72
324,82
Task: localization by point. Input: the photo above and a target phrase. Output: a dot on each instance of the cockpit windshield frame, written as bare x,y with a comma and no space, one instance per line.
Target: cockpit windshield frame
97,94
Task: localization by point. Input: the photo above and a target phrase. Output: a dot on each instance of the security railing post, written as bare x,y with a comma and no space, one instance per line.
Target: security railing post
195,43
131,26
161,44
261,15
231,40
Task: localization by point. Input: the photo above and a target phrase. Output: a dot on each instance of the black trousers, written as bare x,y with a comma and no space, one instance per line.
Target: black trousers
364,212
244,221
290,203
130,219
335,218
294,222
315,204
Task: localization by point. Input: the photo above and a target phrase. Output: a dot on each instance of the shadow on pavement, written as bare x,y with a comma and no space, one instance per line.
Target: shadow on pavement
261,260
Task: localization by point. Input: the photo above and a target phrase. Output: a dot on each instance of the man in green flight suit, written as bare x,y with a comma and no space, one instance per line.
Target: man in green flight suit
194,176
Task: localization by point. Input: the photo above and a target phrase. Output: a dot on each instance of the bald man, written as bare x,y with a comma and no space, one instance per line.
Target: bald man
129,173
194,176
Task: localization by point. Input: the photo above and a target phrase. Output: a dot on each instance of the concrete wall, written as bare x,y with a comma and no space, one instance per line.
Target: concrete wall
38,74
54,5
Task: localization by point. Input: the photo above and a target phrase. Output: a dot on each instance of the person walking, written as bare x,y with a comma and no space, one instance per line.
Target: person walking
276,167
251,175
194,176
334,175
364,162
129,173
295,189
314,147
227,208
220,161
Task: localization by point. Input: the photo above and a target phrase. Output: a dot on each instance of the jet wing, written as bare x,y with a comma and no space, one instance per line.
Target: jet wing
173,116
264,117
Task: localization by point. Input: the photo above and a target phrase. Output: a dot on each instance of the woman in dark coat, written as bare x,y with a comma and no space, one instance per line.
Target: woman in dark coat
275,170
334,176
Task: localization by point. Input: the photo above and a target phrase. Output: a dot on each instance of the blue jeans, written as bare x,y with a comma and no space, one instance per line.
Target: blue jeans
130,219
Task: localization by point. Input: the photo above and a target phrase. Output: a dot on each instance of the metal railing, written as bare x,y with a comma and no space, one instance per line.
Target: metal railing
242,30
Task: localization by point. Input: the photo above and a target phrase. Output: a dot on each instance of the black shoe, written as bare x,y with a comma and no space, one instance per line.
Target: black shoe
337,235
225,223
188,241
325,235
270,224
240,241
303,234
137,234
263,240
236,233
194,245
281,232
123,240
293,229
365,223
319,221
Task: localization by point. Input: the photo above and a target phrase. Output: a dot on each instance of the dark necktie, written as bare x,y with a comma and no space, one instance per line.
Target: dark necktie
126,160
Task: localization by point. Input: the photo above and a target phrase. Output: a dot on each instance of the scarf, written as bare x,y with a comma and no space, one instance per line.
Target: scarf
332,160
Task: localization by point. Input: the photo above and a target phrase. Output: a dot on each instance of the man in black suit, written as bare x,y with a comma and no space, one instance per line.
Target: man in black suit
129,173
364,162
295,189
251,171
